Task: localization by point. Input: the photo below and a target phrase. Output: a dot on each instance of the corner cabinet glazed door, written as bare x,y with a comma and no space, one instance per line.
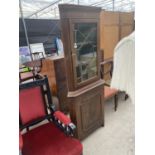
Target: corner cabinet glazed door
85,48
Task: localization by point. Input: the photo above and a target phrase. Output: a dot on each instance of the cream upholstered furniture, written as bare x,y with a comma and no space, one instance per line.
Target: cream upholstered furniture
124,66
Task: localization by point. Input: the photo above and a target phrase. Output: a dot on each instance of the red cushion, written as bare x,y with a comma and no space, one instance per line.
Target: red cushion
109,92
49,140
31,104
62,117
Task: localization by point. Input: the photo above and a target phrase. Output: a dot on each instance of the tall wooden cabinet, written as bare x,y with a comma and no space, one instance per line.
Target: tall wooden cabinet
80,27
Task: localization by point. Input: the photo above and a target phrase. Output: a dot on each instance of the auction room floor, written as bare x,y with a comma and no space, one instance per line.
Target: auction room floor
117,136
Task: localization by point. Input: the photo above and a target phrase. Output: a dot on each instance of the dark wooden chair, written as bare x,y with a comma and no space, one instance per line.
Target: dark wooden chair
108,91
55,137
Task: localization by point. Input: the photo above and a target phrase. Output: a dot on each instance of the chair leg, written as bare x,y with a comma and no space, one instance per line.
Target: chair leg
126,96
116,102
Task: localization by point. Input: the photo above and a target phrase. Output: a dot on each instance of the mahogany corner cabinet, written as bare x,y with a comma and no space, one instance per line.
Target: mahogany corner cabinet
81,39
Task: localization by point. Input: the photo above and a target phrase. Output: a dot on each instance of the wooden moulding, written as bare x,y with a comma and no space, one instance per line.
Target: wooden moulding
78,11
85,89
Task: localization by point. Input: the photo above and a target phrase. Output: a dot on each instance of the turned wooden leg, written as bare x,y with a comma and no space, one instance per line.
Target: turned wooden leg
126,96
102,124
116,101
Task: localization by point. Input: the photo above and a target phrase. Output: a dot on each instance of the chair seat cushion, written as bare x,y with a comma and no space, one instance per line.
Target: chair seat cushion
109,92
49,140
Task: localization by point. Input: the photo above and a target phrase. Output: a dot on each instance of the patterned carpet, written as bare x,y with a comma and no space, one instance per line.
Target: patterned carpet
117,136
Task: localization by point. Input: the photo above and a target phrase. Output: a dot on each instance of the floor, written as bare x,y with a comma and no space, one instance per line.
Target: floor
117,136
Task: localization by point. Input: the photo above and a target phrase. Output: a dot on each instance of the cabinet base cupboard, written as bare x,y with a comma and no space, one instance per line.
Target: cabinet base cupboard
80,27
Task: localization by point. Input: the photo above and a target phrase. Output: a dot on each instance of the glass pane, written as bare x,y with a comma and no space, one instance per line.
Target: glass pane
85,45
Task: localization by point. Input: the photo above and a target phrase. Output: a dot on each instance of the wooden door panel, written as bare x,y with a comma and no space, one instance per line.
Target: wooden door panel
91,106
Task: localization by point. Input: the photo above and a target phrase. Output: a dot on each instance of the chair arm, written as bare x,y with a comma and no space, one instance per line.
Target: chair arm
64,123
106,61
62,118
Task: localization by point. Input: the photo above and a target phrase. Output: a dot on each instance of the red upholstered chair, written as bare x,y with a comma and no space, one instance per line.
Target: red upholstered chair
55,137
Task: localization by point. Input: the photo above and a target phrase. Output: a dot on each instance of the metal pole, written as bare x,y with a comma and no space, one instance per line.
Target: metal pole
25,29
113,5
